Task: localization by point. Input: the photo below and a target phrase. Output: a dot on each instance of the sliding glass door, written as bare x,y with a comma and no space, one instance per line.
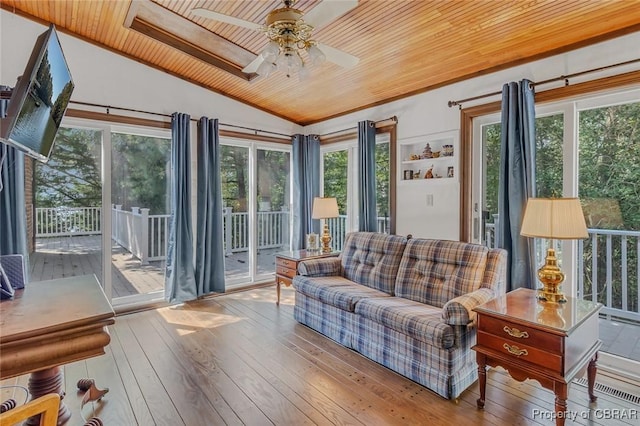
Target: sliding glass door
139,210
256,191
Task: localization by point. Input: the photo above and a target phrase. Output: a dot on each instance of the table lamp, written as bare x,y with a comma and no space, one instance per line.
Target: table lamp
555,219
325,208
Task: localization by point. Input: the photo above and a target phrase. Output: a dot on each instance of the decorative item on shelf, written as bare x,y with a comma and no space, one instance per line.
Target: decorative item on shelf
553,218
426,153
408,174
417,174
450,171
414,157
447,151
325,208
429,173
436,154
312,242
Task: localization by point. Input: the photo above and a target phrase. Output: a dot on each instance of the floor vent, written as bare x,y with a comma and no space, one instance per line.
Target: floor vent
610,391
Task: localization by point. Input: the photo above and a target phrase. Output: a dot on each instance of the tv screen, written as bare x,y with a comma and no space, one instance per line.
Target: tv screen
40,99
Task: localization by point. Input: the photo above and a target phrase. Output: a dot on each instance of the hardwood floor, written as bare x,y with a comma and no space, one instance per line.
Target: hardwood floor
240,359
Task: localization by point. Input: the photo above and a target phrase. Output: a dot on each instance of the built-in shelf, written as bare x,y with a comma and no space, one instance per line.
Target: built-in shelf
443,167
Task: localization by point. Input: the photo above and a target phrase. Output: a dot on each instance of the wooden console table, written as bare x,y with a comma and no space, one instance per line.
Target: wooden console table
51,323
549,342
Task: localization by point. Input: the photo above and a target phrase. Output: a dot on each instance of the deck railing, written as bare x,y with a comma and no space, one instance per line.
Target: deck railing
146,236
608,269
62,221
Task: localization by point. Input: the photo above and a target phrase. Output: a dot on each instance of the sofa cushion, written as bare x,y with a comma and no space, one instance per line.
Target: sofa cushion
436,271
335,291
415,319
372,259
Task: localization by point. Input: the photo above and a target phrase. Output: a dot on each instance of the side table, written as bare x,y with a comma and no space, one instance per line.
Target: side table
549,342
287,265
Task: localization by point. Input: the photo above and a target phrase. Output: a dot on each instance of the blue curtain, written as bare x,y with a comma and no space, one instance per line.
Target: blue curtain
13,212
180,284
306,186
367,207
209,244
517,180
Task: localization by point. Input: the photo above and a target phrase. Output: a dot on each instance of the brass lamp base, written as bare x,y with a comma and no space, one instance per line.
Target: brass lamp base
326,239
551,277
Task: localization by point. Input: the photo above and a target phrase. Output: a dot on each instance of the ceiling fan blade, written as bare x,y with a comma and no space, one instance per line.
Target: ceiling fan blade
253,65
339,57
327,11
210,14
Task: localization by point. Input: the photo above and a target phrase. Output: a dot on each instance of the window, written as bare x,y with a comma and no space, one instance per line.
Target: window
589,148
339,179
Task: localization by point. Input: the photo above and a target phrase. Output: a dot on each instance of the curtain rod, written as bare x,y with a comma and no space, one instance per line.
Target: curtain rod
394,119
551,80
108,107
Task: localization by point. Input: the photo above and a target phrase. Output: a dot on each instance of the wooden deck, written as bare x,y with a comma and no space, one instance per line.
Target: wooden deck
240,359
68,256
78,255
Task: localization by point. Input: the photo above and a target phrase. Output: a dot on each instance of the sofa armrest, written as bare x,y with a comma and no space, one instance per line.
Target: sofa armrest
459,311
321,267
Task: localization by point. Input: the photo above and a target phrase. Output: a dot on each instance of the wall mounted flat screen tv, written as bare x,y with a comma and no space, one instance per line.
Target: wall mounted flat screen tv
39,100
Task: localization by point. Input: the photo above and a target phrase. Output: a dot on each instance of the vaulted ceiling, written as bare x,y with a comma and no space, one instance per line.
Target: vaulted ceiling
405,47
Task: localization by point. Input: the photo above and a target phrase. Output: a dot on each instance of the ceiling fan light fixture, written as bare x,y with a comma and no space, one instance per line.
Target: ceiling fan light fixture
289,37
316,55
271,51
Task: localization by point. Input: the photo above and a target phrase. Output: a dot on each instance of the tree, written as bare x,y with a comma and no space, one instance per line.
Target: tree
234,163
139,172
72,176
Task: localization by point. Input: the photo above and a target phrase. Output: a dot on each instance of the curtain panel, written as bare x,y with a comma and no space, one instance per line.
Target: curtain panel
367,207
180,282
516,181
306,186
209,240
13,211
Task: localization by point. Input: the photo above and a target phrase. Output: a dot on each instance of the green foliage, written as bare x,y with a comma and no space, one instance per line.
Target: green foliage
273,178
336,177
234,167
140,168
72,176
383,170
609,172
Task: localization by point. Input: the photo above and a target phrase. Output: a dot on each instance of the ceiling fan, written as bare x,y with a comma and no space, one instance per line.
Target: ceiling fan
290,35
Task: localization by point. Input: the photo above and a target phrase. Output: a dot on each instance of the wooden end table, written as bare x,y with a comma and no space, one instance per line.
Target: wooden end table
51,323
287,265
549,342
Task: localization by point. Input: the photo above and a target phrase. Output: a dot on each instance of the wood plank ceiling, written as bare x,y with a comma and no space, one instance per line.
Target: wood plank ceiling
405,47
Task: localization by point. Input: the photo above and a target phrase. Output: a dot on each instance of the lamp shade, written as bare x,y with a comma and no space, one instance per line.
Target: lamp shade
324,208
556,218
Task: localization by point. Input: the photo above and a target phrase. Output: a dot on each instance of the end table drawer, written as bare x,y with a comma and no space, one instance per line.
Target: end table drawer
286,263
287,272
522,334
523,352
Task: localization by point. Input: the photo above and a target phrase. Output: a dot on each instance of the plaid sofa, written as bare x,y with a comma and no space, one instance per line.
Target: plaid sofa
406,304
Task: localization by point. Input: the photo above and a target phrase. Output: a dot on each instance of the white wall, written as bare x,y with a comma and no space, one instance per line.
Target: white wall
103,77
428,113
